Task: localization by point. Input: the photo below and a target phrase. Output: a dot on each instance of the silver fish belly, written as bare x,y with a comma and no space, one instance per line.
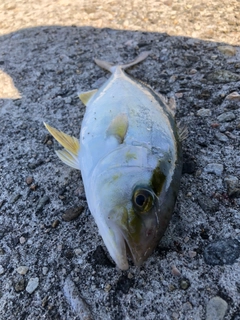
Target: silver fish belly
130,158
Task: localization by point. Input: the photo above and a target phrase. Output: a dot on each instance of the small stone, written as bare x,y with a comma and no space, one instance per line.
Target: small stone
130,275
107,287
72,213
192,71
215,168
221,137
207,204
1,269
234,96
216,309
234,193
15,198
29,180
204,112
192,254
184,284
19,286
227,50
175,271
32,285
223,76
221,252
231,181
22,270
73,297
42,202
55,223
22,240
45,270
226,117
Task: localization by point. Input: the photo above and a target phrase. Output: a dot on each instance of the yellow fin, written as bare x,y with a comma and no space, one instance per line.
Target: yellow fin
86,96
68,158
71,144
118,127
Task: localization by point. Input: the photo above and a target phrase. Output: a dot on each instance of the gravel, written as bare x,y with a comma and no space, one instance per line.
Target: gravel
48,66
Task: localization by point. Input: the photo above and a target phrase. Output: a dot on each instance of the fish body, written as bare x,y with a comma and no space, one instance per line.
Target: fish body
130,160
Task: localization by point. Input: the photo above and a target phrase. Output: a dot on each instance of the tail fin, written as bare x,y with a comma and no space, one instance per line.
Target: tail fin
111,68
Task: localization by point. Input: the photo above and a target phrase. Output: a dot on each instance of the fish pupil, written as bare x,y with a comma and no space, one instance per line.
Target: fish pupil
140,200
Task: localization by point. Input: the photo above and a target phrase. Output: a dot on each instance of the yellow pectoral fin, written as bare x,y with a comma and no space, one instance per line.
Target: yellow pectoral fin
70,143
118,127
86,96
68,158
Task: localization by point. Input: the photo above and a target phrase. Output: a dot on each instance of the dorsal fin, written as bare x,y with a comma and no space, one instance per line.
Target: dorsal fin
111,68
86,96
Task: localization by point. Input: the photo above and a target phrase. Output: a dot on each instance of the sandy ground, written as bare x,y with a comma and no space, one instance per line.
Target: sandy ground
51,268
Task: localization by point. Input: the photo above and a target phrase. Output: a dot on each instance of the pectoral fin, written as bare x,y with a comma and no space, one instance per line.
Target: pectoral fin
70,144
86,96
118,127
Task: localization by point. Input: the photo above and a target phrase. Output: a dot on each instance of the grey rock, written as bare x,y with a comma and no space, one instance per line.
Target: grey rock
223,76
42,202
226,117
207,204
76,301
216,309
32,285
221,137
204,112
215,168
22,270
221,252
72,213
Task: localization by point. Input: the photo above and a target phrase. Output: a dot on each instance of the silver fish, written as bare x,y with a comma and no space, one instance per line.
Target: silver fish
130,157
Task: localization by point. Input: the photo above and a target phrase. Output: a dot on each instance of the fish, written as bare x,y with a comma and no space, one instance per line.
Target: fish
130,156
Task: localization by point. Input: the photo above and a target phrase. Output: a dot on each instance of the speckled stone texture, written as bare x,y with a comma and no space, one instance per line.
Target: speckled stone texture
43,68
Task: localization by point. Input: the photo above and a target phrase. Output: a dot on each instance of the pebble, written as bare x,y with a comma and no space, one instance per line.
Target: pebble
29,180
226,117
75,300
204,112
215,168
234,96
32,285
22,270
216,309
231,181
19,286
223,76
1,269
221,137
175,271
42,202
184,284
221,252
227,50
45,270
14,198
22,240
72,213
55,223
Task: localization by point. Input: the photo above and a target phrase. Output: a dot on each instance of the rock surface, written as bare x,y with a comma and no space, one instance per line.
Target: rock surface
48,66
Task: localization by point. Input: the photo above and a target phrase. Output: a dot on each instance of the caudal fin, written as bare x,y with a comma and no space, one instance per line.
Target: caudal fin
111,68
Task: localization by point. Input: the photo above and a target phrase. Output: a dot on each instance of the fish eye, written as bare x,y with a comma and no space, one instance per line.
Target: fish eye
143,199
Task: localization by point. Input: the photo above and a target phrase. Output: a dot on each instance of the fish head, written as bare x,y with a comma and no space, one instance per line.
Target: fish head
127,208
